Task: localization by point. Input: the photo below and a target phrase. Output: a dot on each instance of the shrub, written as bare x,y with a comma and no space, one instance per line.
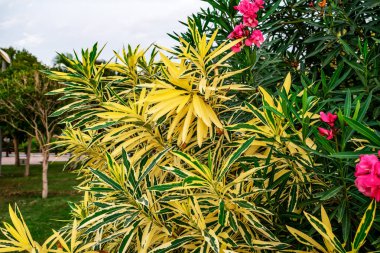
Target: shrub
176,156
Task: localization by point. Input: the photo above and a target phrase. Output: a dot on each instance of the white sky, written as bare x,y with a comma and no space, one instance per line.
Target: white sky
45,27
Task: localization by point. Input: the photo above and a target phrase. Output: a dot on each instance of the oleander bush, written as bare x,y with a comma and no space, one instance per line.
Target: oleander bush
177,152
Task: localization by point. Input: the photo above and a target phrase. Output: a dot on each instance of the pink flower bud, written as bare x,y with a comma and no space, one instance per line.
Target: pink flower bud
326,132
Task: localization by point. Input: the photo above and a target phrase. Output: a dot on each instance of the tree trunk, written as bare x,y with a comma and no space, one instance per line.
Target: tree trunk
17,153
28,154
45,159
7,151
1,149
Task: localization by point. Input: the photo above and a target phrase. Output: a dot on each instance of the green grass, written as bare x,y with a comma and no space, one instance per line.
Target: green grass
41,215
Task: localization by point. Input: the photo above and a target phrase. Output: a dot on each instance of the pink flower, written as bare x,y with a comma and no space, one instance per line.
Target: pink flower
237,47
238,32
326,132
366,164
256,38
250,21
249,8
260,3
368,176
328,118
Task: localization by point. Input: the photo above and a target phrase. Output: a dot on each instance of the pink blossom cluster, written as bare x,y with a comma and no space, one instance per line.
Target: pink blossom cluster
249,9
367,175
330,119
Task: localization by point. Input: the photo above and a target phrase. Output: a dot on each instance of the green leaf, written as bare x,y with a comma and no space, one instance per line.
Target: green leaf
106,179
293,197
194,163
349,154
99,215
166,187
223,213
262,245
365,107
348,49
354,65
174,244
271,10
324,231
305,239
365,226
177,171
245,232
194,181
67,108
211,239
233,222
363,130
234,156
257,226
251,207
151,166
330,193
347,104
128,237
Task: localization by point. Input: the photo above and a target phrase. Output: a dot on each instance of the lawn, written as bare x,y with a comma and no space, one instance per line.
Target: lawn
41,215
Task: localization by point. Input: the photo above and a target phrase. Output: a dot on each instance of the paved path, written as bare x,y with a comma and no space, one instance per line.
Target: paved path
36,158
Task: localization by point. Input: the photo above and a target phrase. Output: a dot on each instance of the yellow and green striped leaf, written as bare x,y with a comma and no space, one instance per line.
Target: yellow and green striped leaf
365,226
174,244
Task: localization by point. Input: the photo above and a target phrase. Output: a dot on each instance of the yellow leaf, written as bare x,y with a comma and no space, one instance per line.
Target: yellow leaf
200,110
326,222
287,83
175,121
213,116
186,124
267,98
211,40
202,85
183,103
199,219
222,48
305,239
201,131
170,106
166,94
164,105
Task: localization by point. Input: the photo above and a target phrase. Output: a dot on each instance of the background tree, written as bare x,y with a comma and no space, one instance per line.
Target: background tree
23,90
4,59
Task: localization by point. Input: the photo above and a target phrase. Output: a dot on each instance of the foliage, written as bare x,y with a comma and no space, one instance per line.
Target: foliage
182,154
334,45
331,242
18,238
24,106
21,71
